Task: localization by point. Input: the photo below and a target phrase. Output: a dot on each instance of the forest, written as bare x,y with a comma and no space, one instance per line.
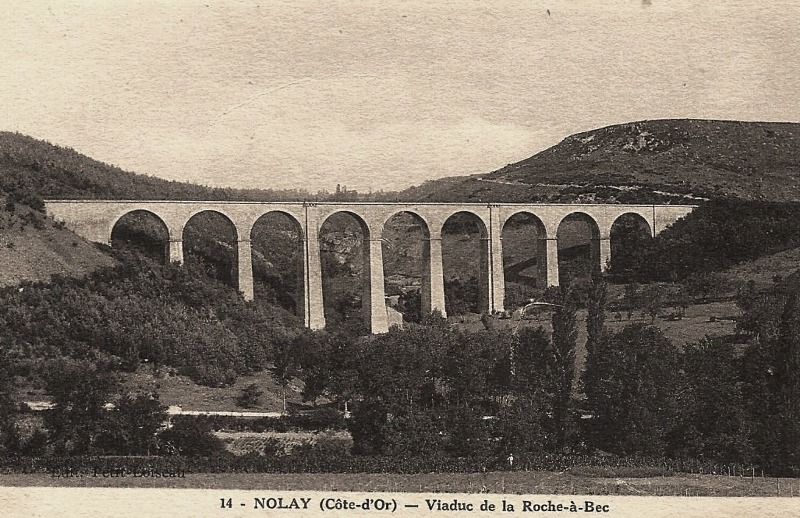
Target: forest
427,391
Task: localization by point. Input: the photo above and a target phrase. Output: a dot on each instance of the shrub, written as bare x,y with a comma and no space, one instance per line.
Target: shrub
192,436
250,397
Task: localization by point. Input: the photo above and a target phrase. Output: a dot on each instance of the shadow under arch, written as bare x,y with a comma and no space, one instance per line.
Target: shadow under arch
578,238
405,245
465,263
276,241
524,238
210,245
630,235
345,261
144,231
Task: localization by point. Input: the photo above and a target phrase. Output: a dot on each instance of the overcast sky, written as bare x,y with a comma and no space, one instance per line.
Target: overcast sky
377,95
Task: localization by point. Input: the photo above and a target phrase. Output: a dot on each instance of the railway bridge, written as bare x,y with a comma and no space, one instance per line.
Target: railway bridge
95,221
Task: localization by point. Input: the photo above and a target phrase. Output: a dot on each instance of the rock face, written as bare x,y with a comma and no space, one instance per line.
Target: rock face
394,317
344,247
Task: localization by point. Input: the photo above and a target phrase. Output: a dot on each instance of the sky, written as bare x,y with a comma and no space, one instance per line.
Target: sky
377,95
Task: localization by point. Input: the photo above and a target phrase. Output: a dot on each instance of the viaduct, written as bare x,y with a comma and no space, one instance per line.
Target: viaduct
95,221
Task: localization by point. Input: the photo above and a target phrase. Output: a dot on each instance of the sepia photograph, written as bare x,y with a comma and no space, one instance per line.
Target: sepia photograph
454,258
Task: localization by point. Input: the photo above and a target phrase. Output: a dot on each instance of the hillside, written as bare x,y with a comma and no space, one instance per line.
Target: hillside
33,167
676,161
34,247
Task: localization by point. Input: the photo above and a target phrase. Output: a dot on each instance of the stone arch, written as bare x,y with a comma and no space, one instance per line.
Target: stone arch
524,237
461,212
628,234
428,225
405,239
276,242
211,249
145,230
635,216
579,247
283,213
347,274
212,210
465,258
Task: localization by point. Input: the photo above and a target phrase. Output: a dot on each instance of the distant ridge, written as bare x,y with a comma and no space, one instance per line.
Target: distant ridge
675,161
659,161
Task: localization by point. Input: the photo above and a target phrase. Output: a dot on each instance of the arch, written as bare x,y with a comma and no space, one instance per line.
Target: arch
344,241
465,258
211,249
466,212
524,237
219,212
276,240
635,216
629,233
282,213
578,240
356,216
144,230
414,213
407,279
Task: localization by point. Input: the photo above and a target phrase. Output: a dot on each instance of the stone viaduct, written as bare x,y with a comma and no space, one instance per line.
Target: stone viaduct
95,220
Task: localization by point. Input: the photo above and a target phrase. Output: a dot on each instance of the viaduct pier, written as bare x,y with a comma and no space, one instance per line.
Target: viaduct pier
95,221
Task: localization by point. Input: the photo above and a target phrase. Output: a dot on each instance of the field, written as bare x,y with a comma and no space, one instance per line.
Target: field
579,481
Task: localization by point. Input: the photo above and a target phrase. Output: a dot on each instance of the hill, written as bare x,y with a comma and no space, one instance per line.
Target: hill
659,161
31,168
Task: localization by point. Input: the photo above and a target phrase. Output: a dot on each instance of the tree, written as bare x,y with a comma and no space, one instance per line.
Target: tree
191,436
399,383
681,302
250,396
632,390
707,286
132,425
8,407
653,300
80,389
523,426
564,342
526,423
784,392
716,424
769,373
287,364
596,313
631,298
467,431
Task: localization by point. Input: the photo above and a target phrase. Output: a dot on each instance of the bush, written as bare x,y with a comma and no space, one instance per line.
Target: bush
250,397
333,444
192,436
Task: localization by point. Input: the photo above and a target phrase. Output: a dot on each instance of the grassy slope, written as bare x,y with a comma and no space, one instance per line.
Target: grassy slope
181,391
28,253
764,269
